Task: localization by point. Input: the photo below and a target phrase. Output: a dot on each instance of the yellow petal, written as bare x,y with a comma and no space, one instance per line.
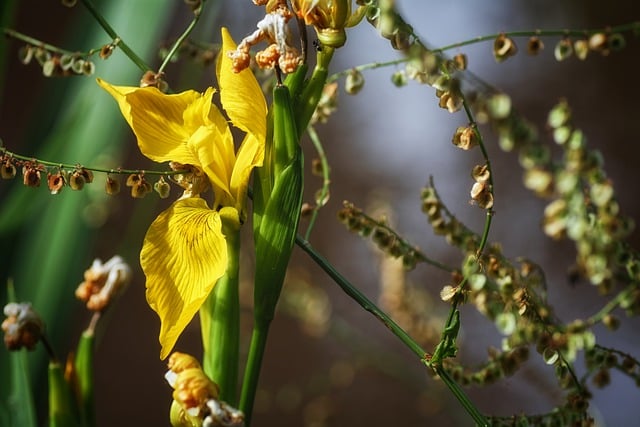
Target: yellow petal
183,255
158,121
250,154
119,93
162,123
240,93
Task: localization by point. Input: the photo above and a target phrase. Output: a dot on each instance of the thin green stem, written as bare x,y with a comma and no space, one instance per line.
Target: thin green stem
321,199
252,369
111,32
48,47
485,154
220,321
360,298
6,154
369,306
418,254
196,17
611,305
542,33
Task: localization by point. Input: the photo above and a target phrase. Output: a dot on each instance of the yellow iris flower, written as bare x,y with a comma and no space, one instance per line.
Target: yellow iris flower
184,251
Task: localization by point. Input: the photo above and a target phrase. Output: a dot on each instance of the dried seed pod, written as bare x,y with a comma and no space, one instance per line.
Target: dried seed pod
56,182
31,174
77,180
138,191
7,169
112,186
563,50
503,48
25,54
534,45
107,50
581,48
460,61
465,138
599,42
162,187
354,82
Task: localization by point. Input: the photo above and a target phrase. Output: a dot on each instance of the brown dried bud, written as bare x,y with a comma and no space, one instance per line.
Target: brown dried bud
162,187
460,61
77,180
112,186
107,50
534,45
151,79
465,138
503,48
55,182
31,174
138,191
8,169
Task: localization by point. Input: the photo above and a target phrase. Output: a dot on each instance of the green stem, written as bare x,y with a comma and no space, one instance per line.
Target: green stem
220,321
360,298
196,16
324,191
252,369
611,305
111,32
368,305
11,155
462,397
49,47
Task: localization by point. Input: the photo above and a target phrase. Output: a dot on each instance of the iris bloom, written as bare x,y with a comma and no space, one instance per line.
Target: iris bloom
184,251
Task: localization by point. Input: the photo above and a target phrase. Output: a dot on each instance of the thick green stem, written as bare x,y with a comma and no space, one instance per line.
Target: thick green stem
252,369
220,321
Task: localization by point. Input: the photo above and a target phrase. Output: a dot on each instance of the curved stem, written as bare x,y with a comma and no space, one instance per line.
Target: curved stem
196,16
324,191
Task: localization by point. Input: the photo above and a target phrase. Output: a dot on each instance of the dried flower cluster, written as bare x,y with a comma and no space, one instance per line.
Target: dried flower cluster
196,396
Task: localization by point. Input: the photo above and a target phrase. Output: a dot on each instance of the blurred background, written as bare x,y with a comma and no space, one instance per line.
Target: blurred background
328,363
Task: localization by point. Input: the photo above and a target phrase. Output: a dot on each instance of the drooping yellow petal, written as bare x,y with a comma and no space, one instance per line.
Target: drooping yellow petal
158,120
183,255
240,93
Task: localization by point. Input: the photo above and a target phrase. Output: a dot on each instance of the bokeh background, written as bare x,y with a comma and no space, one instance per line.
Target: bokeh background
328,363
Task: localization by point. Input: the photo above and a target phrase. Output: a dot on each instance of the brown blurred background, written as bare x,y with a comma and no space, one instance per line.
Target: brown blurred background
383,144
